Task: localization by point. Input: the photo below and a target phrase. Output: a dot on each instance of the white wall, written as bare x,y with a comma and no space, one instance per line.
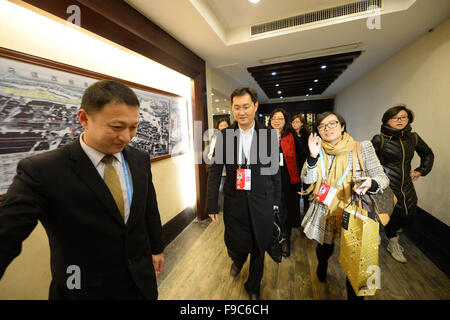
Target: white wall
51,38
418,76
215,82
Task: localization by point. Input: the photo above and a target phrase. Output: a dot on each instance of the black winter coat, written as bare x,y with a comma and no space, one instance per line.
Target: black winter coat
301,147
395,149
290,201
247,215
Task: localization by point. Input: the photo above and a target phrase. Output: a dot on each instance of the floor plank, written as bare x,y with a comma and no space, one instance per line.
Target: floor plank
199,269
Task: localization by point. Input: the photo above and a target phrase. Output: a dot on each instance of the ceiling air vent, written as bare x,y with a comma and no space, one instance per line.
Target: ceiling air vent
344,10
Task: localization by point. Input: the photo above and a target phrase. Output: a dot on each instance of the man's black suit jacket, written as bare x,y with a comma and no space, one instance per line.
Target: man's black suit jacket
64,191
247,215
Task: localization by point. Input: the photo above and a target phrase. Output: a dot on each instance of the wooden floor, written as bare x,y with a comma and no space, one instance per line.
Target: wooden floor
197,268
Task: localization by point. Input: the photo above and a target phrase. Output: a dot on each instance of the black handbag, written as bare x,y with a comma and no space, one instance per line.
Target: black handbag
275,249
379,205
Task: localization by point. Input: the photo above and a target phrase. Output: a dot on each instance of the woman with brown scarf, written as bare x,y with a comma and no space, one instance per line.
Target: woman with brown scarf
330,162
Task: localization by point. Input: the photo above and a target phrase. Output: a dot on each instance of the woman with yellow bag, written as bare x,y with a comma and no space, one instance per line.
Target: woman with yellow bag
329,170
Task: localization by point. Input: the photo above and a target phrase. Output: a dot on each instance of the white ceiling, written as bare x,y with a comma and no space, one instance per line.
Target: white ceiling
219,32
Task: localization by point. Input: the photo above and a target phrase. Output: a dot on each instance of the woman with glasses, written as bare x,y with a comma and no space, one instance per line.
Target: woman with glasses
395,147
290,175
329,164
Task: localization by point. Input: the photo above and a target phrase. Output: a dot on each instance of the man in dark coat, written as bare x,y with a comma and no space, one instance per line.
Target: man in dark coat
97,203
248,213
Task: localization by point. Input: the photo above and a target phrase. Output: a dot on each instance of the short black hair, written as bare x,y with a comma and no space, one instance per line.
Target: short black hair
102,92
242,91
391,112
322,116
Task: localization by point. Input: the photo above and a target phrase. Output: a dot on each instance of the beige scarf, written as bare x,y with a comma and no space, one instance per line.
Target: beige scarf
343,195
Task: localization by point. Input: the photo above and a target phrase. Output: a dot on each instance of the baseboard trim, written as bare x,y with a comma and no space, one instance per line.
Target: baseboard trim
176,225
432,237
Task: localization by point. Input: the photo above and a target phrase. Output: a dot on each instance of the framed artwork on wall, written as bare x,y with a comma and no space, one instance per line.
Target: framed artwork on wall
39,100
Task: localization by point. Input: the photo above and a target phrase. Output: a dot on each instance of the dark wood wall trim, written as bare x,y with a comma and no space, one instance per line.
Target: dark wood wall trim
198,93
176,225
120,23
432,237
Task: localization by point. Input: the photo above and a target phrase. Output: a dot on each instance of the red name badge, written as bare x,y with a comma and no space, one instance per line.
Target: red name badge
326,194
243,179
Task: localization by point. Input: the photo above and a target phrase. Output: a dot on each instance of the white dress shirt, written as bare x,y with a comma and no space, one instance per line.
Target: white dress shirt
246,136
96,159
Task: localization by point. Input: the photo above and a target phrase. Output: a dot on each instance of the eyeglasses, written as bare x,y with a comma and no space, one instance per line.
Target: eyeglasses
277,119
402,118
329,125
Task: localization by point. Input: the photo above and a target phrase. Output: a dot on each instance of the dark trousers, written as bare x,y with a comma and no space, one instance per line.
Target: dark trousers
398,220
323,253
119,287
256,270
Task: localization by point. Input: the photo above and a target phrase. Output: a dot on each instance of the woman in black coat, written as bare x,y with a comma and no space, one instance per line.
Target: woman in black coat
395,147
290,174
300,127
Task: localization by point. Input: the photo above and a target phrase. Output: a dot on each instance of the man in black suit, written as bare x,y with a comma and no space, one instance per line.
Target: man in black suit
248,149
97,203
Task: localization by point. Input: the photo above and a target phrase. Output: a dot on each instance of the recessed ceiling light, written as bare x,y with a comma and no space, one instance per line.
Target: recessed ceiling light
217,100
212,93
274,73
279,92
253,1
323,67
310,89
281,97
316,80
277,85
307,95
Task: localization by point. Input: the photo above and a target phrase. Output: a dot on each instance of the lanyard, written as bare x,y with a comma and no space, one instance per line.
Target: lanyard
241,149
324,173
127,180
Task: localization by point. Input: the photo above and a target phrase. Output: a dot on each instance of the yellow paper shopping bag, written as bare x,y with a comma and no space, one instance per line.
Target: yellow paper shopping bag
359,250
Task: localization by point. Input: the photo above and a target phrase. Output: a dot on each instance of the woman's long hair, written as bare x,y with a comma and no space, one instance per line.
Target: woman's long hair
287,124
304,130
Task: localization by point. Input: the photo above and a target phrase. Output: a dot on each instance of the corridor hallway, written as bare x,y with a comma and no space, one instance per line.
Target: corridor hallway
198,268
